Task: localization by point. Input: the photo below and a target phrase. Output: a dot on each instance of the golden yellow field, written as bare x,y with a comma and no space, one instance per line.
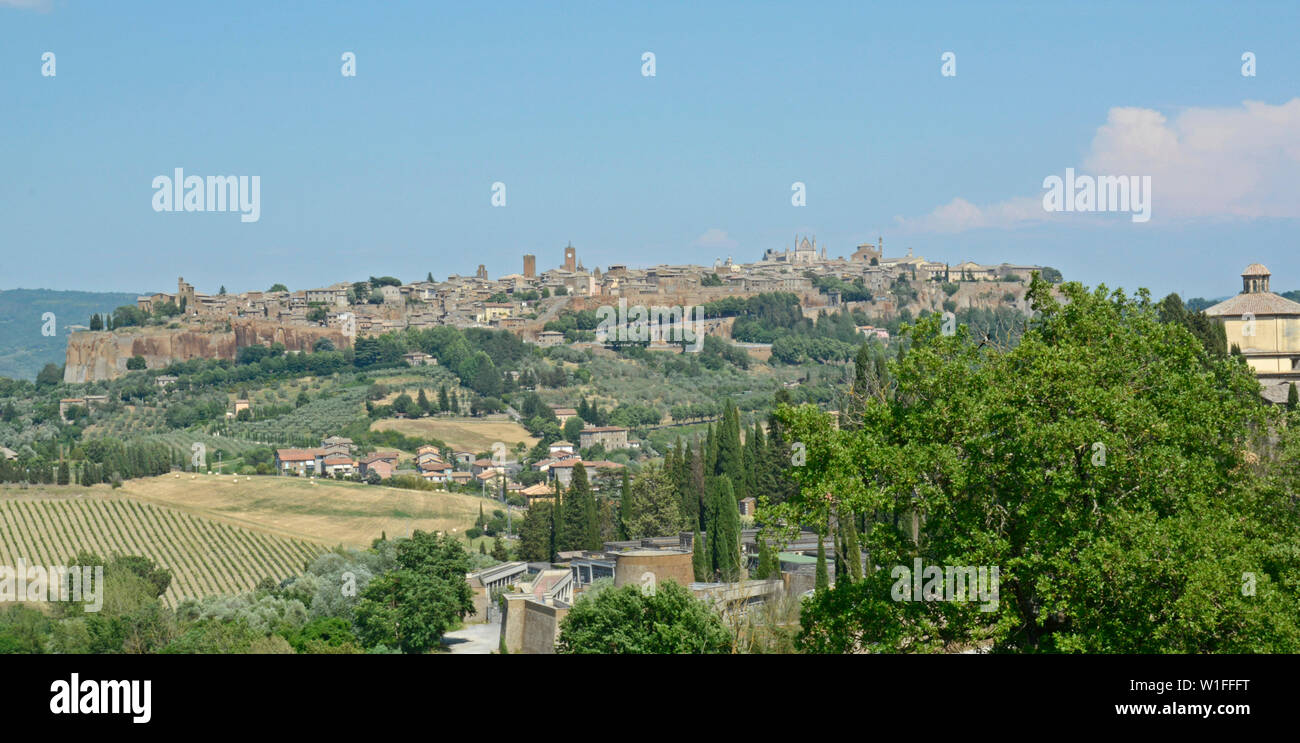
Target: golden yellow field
329,511
466,434
219,533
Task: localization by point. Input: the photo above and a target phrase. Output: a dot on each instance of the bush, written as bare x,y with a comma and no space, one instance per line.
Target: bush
626,621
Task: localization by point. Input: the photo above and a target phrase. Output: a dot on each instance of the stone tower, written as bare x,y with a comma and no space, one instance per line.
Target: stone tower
530,266
1254,280
570,258
185,297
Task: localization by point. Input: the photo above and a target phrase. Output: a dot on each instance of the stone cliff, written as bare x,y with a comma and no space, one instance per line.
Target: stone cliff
95,355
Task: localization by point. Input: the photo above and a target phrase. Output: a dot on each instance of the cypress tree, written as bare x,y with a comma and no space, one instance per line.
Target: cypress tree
823,581
730,459
535,541
557,519
625,514
581,520
724,530
764,481
852,558
1292,398
764,560
711,452
700,557
839,554
698,486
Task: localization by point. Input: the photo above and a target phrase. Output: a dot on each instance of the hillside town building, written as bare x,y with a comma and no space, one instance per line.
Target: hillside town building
1266,327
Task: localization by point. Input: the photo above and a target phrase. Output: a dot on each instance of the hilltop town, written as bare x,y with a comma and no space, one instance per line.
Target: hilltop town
190,324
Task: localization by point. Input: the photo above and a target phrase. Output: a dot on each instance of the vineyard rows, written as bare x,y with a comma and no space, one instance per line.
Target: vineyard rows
205,556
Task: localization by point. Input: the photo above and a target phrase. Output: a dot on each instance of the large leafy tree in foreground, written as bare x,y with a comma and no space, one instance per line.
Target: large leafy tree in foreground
1106,466
411,607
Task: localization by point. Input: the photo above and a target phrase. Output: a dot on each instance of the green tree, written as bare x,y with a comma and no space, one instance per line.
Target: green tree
724,529
50,375
670,620
535,537
411,607
581,519
404,404
701,558
653,509
731,461
573,429
1100,466
821,580
624,507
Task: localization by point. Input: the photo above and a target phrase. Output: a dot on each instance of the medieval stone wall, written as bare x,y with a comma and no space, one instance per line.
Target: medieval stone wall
96,355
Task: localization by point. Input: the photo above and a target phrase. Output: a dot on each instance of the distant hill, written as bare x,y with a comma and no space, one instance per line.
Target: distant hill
23,350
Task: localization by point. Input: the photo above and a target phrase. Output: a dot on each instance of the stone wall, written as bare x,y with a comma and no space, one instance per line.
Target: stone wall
541,627
530,626
96,355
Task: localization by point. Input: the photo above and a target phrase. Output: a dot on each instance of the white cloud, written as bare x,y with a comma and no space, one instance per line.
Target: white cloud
715,239
1241,162
960,215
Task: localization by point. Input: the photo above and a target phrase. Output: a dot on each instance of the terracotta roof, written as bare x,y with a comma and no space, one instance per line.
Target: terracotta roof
1256,269
603,429
336,459
1257,303
296,455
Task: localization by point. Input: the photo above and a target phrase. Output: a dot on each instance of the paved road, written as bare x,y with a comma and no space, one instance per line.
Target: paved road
475,639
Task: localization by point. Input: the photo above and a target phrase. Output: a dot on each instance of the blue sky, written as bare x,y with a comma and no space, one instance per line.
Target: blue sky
390,172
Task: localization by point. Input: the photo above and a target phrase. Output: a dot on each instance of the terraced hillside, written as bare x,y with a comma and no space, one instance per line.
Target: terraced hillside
206,556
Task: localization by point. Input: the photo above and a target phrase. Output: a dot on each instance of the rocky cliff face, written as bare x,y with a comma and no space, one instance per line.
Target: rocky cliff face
93,356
